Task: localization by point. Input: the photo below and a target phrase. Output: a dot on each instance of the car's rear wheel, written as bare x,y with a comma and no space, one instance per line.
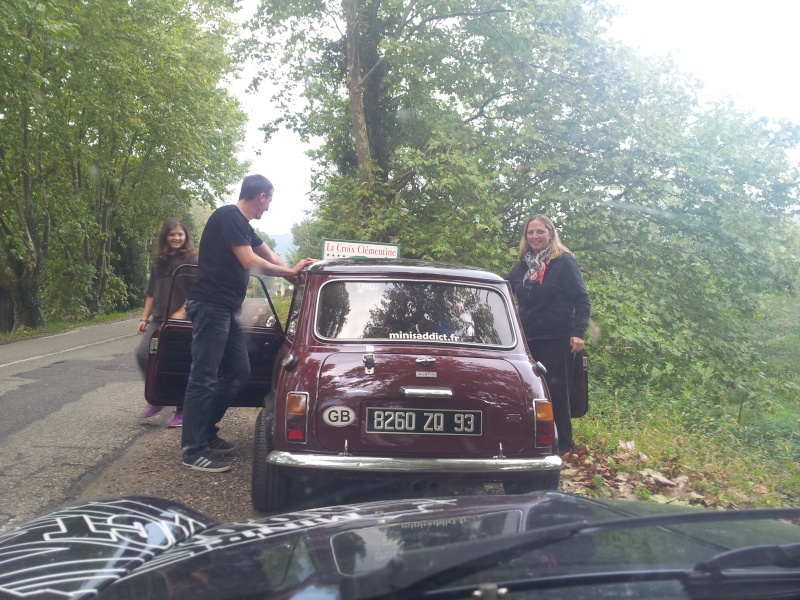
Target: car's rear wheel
547,480
270,489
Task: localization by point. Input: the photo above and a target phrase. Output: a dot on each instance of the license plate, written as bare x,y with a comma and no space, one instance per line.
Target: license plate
418,420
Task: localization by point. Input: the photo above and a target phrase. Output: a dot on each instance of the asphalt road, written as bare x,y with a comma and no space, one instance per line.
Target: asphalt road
67,407
69,431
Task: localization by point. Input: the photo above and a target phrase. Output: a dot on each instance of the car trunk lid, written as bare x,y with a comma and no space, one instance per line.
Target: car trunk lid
422,404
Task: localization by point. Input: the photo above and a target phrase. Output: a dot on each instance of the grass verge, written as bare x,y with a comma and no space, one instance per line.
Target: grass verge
728,455
59,326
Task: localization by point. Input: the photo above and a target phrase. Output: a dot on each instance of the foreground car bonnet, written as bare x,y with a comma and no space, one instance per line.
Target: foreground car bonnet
78,551
143,549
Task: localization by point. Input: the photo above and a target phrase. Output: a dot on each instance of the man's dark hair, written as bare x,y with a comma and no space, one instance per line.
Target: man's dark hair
253,185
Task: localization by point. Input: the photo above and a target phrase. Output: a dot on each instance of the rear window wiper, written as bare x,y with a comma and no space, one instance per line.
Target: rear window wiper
408,574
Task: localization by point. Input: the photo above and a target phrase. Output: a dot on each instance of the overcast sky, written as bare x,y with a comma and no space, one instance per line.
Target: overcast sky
746,49
739,48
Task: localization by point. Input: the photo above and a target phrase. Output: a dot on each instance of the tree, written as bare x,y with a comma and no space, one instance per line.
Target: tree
24,246
106,130
470,116
265,237
307,236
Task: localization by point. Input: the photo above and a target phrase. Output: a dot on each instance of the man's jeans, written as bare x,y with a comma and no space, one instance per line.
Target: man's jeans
220,368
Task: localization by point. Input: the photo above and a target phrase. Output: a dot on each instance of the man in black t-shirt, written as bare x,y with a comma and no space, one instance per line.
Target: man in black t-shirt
229,250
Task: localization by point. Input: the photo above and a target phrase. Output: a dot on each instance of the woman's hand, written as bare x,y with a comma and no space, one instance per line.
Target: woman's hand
142,326
577,344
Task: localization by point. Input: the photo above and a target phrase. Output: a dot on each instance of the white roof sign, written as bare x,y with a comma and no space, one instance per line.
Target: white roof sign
350,249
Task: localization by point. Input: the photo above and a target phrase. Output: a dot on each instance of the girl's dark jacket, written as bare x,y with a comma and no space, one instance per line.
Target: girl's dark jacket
559,306
160,283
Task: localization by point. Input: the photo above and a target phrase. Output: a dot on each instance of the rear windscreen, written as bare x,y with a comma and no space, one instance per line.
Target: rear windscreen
413,311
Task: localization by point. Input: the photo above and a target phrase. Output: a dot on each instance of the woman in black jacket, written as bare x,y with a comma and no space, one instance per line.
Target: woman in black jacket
554,308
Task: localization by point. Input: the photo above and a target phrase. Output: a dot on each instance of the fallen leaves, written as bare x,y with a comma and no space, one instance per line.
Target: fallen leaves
654,478
630,474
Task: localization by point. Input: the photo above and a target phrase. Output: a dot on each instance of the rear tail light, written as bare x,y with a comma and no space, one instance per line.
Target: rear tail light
545,425
296,416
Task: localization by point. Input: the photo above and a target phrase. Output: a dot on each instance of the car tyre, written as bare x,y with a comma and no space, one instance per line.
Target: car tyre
270,490
548,480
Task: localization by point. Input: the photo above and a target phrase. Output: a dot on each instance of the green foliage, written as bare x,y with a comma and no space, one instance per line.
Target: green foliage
58,326
307,236
281,304
104,132
266,239
65,295
732,444
477,116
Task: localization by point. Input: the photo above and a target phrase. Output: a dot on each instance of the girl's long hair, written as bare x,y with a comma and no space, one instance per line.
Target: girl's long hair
556,247
163,250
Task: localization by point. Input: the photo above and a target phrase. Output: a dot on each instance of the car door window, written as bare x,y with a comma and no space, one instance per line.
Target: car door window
294,310
257,310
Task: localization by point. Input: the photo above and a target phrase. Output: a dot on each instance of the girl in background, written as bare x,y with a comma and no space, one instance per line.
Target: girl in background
174,249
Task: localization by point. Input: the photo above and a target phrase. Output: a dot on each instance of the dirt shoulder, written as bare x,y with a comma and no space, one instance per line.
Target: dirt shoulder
151,466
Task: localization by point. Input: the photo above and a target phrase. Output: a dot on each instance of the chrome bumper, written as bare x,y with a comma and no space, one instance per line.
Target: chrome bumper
422,465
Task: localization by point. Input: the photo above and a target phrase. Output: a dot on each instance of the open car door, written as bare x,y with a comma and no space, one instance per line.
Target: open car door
170,356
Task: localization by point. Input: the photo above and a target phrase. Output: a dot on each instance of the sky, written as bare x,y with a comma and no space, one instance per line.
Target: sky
743,49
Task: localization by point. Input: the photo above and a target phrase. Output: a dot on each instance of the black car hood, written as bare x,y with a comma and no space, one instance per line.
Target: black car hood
79,550
140,548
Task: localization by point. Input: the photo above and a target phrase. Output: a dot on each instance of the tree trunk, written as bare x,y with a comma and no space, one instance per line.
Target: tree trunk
355,89
25,260
27,306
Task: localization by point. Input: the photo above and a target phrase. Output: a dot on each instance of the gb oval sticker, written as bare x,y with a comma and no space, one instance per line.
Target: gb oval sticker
339,416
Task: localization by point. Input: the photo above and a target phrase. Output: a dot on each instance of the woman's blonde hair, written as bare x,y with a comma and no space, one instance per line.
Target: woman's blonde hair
556,247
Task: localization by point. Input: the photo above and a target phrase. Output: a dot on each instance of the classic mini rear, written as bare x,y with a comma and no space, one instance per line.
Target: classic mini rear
402,371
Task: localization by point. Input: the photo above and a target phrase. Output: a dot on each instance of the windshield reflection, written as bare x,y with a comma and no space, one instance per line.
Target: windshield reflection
371,548
413,311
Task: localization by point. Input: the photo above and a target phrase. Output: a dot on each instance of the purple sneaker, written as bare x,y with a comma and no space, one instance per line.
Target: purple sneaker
177,420
150,411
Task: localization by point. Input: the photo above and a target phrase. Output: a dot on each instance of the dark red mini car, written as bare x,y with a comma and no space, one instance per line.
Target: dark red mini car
397,371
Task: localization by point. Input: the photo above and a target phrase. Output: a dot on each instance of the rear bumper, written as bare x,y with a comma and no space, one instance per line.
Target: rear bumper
325,462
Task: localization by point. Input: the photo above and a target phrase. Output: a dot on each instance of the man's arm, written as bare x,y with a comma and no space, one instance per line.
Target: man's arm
253,262
269,255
